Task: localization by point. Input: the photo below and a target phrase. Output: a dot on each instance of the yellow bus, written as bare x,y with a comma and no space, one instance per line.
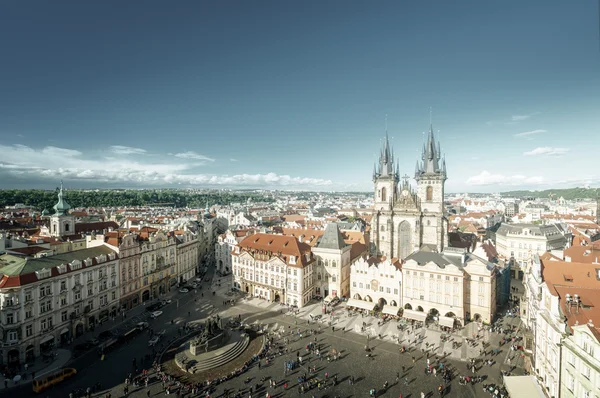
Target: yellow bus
46,381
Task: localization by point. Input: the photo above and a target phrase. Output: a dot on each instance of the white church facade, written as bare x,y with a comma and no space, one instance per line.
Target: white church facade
437,282
405,220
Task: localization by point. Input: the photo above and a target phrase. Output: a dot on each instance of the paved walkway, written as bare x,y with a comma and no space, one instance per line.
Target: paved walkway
422,338
38,368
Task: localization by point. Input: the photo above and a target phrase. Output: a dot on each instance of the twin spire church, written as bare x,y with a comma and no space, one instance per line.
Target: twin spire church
405,220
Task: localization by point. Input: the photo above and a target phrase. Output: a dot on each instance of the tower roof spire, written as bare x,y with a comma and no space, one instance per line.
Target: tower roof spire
62,207
431,151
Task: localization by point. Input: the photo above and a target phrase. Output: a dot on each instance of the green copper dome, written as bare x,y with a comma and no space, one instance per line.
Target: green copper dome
62,207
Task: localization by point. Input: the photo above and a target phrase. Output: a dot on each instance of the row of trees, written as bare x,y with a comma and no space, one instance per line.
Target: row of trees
42,199
567,193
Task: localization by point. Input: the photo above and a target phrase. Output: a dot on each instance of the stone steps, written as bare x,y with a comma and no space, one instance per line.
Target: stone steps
221,360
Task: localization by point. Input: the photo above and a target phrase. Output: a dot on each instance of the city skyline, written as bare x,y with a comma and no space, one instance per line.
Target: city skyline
297,96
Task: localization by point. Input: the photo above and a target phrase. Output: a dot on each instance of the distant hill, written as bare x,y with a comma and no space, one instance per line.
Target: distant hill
568,193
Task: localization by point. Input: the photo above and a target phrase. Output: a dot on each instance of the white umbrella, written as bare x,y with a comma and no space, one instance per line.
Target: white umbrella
17,378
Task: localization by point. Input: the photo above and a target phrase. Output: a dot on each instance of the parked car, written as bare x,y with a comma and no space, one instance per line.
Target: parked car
156,314
153,341
142,325
183,290
165,302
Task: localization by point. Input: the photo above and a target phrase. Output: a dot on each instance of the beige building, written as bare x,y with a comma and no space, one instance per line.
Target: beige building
452,284
563,300
523,241
580,367
376,281
159,265
275,268
46,301
333,264
188,255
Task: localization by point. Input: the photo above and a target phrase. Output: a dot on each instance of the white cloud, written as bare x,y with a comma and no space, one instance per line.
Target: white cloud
126,150
233,160
487,178
60,163
546,150
520,118
55,151
529,133
193,155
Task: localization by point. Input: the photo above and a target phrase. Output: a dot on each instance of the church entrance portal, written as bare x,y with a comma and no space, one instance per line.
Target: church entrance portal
404,244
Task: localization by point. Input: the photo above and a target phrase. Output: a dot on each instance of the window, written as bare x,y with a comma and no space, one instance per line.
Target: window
395,291
455,279
63,316
10,318
28,330
45,307
63,301
12,335
381,289
353,283
429,194
585,370
480,301
28,314
63,285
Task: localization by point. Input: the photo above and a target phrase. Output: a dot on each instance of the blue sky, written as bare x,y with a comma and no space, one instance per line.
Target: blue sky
294,95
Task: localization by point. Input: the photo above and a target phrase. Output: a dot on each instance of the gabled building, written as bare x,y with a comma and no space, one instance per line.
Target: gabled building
333,263
452,284
274,267
376,281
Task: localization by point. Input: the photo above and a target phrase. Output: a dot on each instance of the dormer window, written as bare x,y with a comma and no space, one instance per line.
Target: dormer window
88,262
292,259
43,273
61,268
111,256
75,264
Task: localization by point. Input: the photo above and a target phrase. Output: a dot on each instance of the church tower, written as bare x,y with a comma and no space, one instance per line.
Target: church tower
385,180
61,222
430,175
